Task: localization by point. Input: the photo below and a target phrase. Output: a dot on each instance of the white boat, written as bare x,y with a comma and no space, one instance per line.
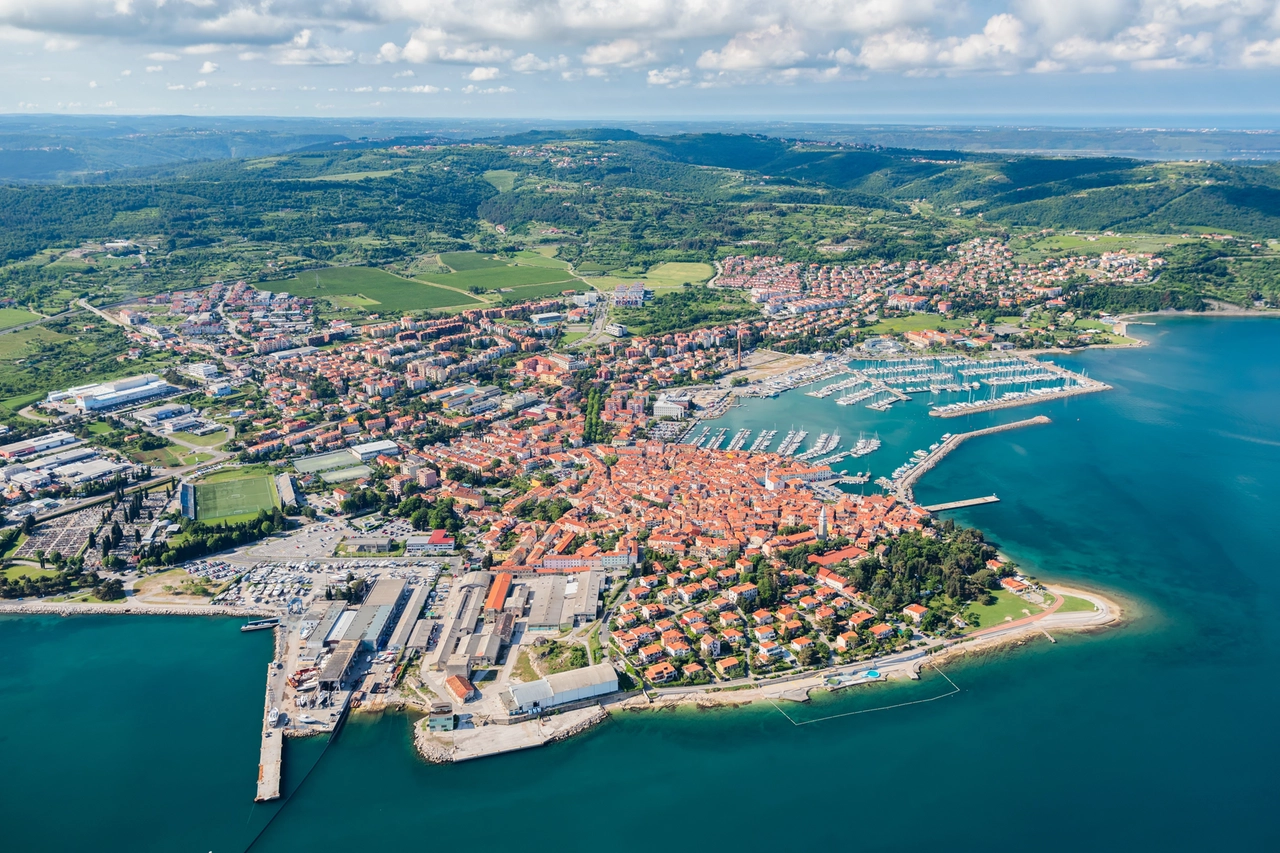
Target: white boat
309,685
273,717
307,718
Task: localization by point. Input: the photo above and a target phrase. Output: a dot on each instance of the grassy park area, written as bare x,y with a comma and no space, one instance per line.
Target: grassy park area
915,323
1007,608
1072,604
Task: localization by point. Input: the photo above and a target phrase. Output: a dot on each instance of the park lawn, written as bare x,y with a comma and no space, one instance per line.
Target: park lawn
502,179
1072,604
211,440
1007,605
572,337
14,344
33,572
233,498
494,278
916,322
10,317
100,428
372,286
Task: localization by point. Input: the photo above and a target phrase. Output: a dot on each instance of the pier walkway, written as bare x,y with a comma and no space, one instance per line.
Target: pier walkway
989,499
903,488
271,754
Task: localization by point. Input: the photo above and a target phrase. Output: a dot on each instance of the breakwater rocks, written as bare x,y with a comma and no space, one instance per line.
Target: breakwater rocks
429,747
54,608
598,716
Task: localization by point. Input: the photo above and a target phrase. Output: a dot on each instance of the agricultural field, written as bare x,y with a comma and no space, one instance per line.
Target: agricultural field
10,317
539,291
662,277
502,179
479,274
226,499
370,287
18,344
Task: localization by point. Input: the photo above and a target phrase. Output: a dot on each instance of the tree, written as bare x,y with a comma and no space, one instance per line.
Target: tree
40,556
109,590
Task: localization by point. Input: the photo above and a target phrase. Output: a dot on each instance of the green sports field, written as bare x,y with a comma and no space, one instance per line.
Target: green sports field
371,288
243,497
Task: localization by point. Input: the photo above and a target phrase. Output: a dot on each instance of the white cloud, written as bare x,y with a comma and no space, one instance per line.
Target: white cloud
152,69
408,72
480,74
1000,46
302,51
209,67
773,46
93,84
627,52
497,90
672,77
1261,54
422,89
529,63
430,44
176,87
734,41
126,73
200,84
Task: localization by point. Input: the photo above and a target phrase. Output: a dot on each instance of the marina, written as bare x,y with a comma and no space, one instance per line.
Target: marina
1009,381
763,440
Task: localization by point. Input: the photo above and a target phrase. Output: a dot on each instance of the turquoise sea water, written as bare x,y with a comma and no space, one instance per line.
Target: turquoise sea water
1157,735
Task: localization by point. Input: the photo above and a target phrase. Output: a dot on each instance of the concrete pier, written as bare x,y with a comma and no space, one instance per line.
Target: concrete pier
271,752
903,488
989,499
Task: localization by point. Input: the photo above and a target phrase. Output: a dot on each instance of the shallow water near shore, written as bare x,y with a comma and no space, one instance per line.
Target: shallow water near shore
123,733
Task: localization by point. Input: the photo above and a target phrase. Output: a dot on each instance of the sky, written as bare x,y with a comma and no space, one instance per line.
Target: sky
1100,61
